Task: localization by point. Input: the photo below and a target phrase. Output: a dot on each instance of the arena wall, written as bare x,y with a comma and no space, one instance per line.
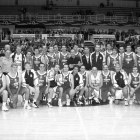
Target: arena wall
115,3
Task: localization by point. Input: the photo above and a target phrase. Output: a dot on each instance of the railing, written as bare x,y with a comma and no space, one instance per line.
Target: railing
92,18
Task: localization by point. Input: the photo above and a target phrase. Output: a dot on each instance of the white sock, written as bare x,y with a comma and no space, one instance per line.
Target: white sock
49,100
34,100
26,102
4,103
80,96
59,99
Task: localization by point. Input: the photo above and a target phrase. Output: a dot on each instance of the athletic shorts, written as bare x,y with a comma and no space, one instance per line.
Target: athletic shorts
55,88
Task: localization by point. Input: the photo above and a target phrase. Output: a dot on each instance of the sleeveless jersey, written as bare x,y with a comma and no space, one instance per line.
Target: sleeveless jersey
128,61
66,79
42,79
84,76
134,80
138,62
106,80
57,56
95,80
107,55
36,62
30,61
14,83
1,82
63,60
113,62
52,64
78,55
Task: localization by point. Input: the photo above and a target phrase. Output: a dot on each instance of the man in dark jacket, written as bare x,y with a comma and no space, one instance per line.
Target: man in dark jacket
97,59
86,59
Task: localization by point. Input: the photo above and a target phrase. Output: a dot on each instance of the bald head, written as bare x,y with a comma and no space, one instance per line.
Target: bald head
7,47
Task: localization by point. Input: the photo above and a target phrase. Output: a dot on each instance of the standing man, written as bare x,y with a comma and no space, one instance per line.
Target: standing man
86,59
128,60
52,58
138,58
64,55
18,58
97,59
73,60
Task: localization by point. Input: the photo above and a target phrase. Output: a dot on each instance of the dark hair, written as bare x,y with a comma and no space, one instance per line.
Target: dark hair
135,67
76,66
86,47
36,48
26,63
115,48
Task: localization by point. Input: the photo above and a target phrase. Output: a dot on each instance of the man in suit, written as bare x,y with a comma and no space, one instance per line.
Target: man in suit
97,59
86,59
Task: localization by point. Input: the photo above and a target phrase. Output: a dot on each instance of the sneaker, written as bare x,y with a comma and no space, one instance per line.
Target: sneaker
49,105
35,105
91,97
96,100
60,104
126,103
111,100
68,102
27,107
131,102
8,101
86,102
4,108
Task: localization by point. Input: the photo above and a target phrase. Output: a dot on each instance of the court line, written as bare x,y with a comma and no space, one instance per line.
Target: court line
82,124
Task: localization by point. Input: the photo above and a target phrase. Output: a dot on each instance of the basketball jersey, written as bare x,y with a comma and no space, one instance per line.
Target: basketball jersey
66,80
1,82
30,61
138,62
78,55
36,62
107,54
63,60
57,56
14,82
106,80
95,79
84,76
113,61
18,61
128,61
51,64
134,80
42,79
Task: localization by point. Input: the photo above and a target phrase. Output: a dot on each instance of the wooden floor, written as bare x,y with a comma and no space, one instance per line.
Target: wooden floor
108,122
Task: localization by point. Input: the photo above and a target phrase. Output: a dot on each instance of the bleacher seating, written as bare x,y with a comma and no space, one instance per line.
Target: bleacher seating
63,10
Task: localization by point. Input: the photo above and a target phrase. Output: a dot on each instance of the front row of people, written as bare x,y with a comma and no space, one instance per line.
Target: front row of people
78,87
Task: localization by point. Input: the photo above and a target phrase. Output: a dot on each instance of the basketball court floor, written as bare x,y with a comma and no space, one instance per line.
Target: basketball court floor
107,122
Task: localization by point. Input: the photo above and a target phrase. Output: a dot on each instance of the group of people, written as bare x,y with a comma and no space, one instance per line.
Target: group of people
102,76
